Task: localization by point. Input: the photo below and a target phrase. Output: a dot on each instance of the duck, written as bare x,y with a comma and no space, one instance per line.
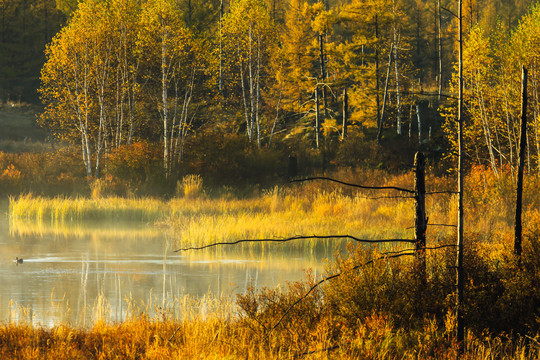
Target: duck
18,261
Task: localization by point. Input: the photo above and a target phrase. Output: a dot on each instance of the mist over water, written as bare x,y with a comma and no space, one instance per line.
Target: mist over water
83,273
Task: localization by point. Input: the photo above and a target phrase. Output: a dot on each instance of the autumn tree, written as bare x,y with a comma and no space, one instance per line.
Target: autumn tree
73,82
249,40
112,60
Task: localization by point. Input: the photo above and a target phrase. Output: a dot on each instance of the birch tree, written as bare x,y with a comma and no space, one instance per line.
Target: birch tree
249,36
166,46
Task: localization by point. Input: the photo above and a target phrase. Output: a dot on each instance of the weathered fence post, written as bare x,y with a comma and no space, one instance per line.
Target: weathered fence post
420,219
521,164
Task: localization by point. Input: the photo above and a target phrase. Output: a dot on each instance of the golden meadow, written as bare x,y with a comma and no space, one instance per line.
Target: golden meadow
377,312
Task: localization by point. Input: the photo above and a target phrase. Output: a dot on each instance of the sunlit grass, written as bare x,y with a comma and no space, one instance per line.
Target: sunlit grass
279,213
216,337
182,328
63,209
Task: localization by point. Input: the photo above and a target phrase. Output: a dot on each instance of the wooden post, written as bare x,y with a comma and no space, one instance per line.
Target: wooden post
420,219
521,165
345,113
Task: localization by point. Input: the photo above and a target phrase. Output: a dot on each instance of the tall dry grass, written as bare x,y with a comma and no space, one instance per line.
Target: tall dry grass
375,312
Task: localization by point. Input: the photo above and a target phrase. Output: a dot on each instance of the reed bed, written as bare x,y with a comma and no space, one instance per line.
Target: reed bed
60,210
28,227
279,213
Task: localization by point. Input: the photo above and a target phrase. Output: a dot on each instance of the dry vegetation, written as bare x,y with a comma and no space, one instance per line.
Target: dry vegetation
378,311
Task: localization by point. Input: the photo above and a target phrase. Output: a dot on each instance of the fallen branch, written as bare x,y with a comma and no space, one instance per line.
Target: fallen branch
299,237
355,185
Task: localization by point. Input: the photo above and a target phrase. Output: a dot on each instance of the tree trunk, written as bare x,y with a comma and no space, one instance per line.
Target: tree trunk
345,113
220,86
165,101
323,73
381,122
439,41
420,219
519,186
459,261
419,124
396,65
317,118
377,90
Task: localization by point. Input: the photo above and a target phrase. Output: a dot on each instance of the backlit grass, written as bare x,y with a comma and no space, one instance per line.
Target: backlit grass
379,311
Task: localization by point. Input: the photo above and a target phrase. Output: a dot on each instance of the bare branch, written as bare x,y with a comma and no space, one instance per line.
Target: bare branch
450,12
441,192
385,197
355,185
448,225
298,237
328,278
330,348
387,255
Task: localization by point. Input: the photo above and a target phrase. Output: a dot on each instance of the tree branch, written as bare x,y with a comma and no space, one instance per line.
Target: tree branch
355,185
330,348
441,192
298,237
450,12
387,255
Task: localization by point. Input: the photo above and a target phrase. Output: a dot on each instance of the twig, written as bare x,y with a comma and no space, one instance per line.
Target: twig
450,12
385,197
533,339
298,237
314,352
448,225
174,334
355,185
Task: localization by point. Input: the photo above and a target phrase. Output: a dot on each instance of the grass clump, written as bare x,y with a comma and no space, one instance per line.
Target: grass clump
190,187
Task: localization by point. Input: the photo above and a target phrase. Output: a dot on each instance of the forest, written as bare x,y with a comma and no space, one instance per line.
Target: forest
218,123
285,75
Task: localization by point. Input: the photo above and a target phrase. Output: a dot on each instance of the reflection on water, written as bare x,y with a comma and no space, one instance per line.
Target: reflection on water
79,274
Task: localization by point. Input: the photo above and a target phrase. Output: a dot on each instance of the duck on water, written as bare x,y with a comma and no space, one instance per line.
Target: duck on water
18,261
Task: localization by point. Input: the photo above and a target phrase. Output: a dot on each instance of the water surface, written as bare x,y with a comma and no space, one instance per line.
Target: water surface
80,273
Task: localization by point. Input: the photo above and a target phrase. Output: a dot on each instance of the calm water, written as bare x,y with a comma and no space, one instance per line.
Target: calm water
79,274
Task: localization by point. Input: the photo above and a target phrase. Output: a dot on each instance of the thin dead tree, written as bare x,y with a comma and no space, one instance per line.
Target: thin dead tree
381,121
419,241
459,260
521,165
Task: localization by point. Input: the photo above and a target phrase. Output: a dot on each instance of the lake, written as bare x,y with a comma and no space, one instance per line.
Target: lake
78,274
